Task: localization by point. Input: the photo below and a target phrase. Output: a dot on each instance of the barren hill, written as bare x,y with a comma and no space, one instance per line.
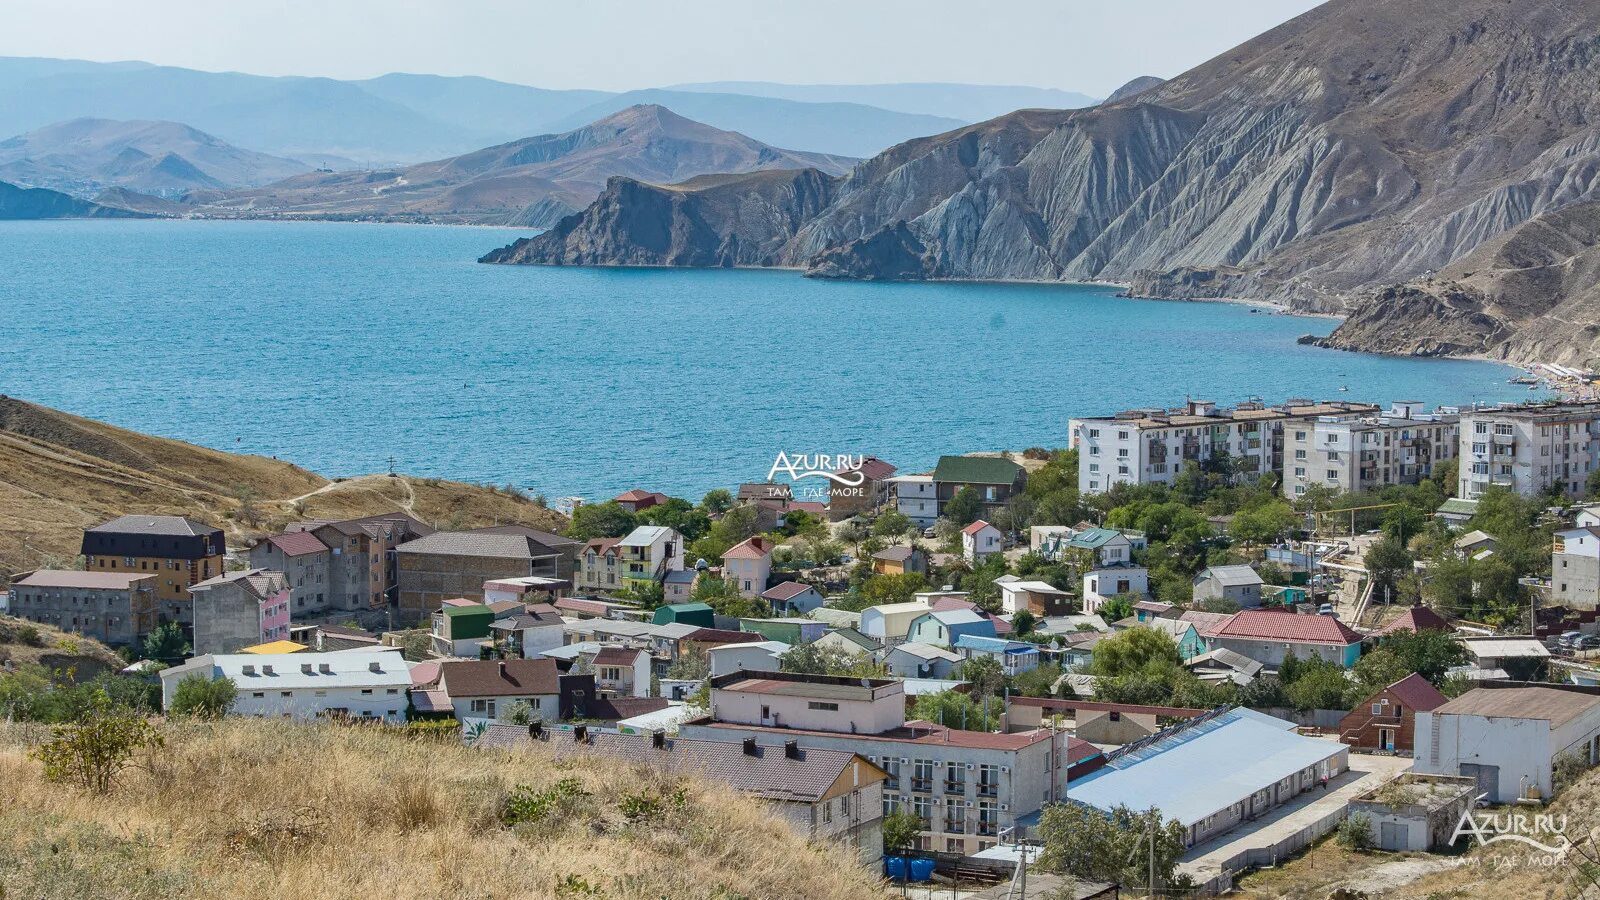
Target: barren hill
60,473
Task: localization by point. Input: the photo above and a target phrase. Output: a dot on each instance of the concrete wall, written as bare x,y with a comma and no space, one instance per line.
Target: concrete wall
1522,750
427,579
887,711
107,615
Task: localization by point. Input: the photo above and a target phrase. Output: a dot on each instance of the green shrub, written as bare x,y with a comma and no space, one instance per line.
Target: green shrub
203,698
1355,833
524,805
92,752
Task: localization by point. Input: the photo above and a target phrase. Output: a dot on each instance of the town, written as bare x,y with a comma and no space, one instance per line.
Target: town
1189,644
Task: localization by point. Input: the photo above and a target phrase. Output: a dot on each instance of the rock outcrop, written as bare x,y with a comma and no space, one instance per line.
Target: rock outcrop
1134,87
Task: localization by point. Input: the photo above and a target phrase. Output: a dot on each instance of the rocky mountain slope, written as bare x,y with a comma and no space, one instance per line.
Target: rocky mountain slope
41,203
534,181
60,473
1134,87
161,159
1360,145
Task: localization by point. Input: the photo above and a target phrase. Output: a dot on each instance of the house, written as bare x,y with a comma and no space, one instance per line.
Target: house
597,568
1005,777
866,496
1261,764
537,628
1415,619
792,630
647,554
1415,812
942,628
791,598
1100,585
917,498
748,565
1509,738
1365,451
1217,666
355,684
1238,584
118,608
1184,634
622,672
994,479
180,552
979,541
1106,547
1530,448
448,564
462,630
1456,512
487,690
917,660
827,795
901,559
528,589
1473,544
678,586
361,572
758,656
950,601
1387,720
888,623
1015,657
752,491
636,500
239,609
849,641
835,617
1078,652
699,615
1575,568
1270,636
303,559
327,638
1038,597
1094,721
1522,658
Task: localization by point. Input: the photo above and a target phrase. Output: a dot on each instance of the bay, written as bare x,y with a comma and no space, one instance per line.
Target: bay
341,346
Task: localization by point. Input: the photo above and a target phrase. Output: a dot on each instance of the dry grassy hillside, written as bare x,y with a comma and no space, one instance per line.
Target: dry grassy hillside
269,809
60,473
26,643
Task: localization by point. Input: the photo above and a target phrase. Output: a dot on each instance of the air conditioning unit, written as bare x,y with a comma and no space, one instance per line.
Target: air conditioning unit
1004,808
1005,770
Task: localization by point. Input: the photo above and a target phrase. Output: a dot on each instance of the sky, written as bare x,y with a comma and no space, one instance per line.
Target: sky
622,44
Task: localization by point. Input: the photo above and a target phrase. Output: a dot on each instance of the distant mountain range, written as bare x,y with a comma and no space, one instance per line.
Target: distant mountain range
1352,160
40,203
405,118
534,181
162,159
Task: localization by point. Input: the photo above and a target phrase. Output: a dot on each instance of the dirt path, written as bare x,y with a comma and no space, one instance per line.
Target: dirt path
1392,875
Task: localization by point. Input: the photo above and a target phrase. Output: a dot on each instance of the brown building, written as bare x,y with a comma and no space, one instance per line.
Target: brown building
362,562
111,607
994,479
180,552
845,501
1388,719
450,564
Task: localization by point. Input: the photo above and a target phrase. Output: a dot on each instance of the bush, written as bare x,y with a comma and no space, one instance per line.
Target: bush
203,698
1355,833
525,805
91,753
449,729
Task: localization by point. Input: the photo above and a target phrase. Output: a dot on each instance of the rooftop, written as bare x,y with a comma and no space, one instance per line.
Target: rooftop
297,543
498,678
1553,705
920,732
1417,693
1271,625
478,543
1417,618
646,535
751,548
74,579
282,671
165,526
1232,576
976,470
786,591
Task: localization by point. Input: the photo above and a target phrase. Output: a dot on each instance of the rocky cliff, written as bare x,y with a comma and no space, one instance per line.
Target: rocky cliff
1359,146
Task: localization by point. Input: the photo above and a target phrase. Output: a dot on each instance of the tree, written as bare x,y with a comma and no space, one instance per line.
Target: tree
810,659
692,664
892,525
1023,624
598,520
1429,653
954,709
518,713
166,643
717,501
893,588
1386,561
92,752
203,698
1374,672
900,830
964,507
1133,650
984,673
1355,833
1086,843
1039,681
1319,685
735,526
1263,524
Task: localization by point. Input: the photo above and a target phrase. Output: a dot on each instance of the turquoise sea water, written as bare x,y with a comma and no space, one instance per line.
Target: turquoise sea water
340,345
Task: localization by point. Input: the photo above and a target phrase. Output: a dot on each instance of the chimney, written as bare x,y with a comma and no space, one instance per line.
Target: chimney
750,746
580,734
658,740
375,666
791,749
536,729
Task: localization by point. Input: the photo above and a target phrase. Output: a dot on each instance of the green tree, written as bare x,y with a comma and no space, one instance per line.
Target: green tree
608,519
964,507
1085,843
1117,608
1264,524
717,501
892,525
1429,653
519,712
92,752
1133,650
166,643
692,664
1039,681
1023,623
734,527
984,673
896,588
900,831
954,709
1318,685
203,698
1386,561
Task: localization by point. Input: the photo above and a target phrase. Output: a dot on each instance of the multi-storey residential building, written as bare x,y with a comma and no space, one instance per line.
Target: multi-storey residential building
1575,566
1530,448
647,554
748,565
451,564
917,498
597,568
966,786
873,492
994,479
303,560
236,610
111,607
1150,446
180,552
1356,452
361,557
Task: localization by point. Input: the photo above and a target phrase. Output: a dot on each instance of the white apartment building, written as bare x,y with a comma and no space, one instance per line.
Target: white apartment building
1150,446
917,498
359,684
1530,448
1368,452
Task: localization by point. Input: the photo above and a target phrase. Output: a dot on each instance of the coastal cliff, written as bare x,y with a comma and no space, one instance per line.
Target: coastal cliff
1324,164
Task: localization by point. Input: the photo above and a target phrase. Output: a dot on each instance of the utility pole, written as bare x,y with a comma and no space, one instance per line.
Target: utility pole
1153,856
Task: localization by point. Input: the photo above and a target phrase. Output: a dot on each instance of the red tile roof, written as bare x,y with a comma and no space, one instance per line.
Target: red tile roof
872,467
1294,628
1417,618
722,636
298,543
753,548
810,506
639,496
616,656
1418,693
975,527
602,546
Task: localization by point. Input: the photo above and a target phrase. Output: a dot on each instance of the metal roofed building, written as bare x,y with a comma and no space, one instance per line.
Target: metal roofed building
1508,738
360,684
1213,772
114,607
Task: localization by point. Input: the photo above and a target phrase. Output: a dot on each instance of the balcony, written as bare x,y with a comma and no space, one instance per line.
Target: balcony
955,787
988,829
988,790
922,785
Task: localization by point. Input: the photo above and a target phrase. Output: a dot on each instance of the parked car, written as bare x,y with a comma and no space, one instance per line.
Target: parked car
1587,642
1570,639
1326,609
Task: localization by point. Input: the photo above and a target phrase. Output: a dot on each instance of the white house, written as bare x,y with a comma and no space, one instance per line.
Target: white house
792,598
916,660
1239,584
486,690
980,540
1015,657
760,656
358,684
1575,565
1100,585
916,498
887,624
749,565
1509,738
622,672
1034,596
648,553
531,632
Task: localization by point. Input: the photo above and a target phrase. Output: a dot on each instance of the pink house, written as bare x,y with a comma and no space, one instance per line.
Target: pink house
240,609
748,565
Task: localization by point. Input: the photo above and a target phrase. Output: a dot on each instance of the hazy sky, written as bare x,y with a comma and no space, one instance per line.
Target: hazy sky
618,44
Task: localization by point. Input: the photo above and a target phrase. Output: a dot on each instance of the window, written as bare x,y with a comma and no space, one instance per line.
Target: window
922,775
827,811
818,704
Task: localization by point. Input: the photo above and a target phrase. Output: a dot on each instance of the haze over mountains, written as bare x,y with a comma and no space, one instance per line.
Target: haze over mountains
1363,144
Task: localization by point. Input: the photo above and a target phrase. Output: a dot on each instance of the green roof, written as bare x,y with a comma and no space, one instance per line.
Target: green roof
468,621
976,470
686,613
1093,538
1460,507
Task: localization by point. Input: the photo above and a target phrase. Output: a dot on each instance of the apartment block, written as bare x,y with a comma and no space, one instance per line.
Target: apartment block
180,552
1530,448
1368,452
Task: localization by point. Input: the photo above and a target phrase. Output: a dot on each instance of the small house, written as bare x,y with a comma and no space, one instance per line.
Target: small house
942,628
792,598
980,540
1238,584
698,614
1387,721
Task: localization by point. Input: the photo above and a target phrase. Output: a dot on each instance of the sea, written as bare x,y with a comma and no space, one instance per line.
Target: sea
350,348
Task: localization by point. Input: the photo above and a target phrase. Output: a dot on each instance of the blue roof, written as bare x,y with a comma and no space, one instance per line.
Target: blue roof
680,576
992,645
1093,537
1203,768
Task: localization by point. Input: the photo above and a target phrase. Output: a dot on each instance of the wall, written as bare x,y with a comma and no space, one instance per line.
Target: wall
426,580
1521,748
887,711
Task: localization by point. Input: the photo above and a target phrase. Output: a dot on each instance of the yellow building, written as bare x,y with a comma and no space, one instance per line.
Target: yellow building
178,551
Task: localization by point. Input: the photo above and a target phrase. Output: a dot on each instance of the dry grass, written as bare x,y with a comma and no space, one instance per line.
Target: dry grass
55,649
60,473
251,808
